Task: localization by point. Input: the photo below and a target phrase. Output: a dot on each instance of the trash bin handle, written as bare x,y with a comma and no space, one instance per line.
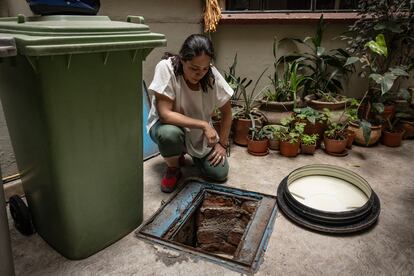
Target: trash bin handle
7,47
139,19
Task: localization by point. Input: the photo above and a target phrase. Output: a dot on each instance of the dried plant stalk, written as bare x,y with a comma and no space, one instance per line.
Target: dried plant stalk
212,15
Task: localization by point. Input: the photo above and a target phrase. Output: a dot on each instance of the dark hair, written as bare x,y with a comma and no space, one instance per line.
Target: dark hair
195,45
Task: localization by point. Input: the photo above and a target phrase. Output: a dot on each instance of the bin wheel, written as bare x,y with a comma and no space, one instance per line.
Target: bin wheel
21,215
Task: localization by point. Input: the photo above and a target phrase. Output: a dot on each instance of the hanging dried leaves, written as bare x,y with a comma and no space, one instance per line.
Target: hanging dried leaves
212,15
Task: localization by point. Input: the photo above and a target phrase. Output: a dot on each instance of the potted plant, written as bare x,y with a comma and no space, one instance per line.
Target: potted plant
382,25
315,121
392,136
274,135
335,138
290,140
258,141
280,97
246,113
326,70
308,143
368,127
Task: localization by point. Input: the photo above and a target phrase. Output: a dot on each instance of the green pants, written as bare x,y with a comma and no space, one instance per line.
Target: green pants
171,142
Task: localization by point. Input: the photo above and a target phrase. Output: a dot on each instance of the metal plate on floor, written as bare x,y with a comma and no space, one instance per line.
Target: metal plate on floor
180,210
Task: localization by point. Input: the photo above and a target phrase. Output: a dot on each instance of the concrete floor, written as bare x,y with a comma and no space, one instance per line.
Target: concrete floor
386,249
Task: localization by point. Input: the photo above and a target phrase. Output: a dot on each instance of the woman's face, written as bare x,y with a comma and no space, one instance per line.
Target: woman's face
196,68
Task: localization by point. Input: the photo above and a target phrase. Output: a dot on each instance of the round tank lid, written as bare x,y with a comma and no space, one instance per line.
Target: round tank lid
328,198
327,193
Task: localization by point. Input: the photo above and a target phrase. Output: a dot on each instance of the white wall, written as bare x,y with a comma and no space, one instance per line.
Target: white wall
254,47
15,7
176,19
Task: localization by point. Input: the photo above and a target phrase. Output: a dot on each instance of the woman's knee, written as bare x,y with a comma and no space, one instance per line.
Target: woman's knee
218,173
170,135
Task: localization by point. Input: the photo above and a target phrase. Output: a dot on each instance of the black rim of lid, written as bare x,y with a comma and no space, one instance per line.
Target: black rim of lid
328,222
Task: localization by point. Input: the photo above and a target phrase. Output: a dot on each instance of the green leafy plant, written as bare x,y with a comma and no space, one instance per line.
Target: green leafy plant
394,19
403,114
381,80
391,124
248,99
294,132
351,110
326,69
309,140
275,131
336,131
235,81
258,133
312,115
284,87
382,25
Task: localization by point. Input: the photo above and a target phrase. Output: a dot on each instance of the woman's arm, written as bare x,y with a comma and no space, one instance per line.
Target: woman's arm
220,149
168,116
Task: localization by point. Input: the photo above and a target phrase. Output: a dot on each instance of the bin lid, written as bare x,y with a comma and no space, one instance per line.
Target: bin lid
66,34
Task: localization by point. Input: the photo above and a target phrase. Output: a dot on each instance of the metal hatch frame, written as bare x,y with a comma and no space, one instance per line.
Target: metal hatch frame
162,226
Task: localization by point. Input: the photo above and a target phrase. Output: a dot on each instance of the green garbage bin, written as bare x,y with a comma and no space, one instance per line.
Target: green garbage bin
72,102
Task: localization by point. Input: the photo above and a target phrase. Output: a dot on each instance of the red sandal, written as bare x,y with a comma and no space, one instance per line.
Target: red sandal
170,179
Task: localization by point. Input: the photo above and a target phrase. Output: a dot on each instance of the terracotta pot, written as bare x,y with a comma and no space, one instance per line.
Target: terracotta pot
392,139
258,147
359,136
351,138
334,146
275,117
408,127
308,149
319,105
277,106
275,112
288,149
241,129
274,144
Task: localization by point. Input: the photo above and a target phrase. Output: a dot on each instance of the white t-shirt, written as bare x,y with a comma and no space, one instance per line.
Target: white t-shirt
194,104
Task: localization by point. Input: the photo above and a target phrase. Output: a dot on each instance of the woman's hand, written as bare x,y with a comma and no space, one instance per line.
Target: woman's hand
211,135
218,155
169,116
